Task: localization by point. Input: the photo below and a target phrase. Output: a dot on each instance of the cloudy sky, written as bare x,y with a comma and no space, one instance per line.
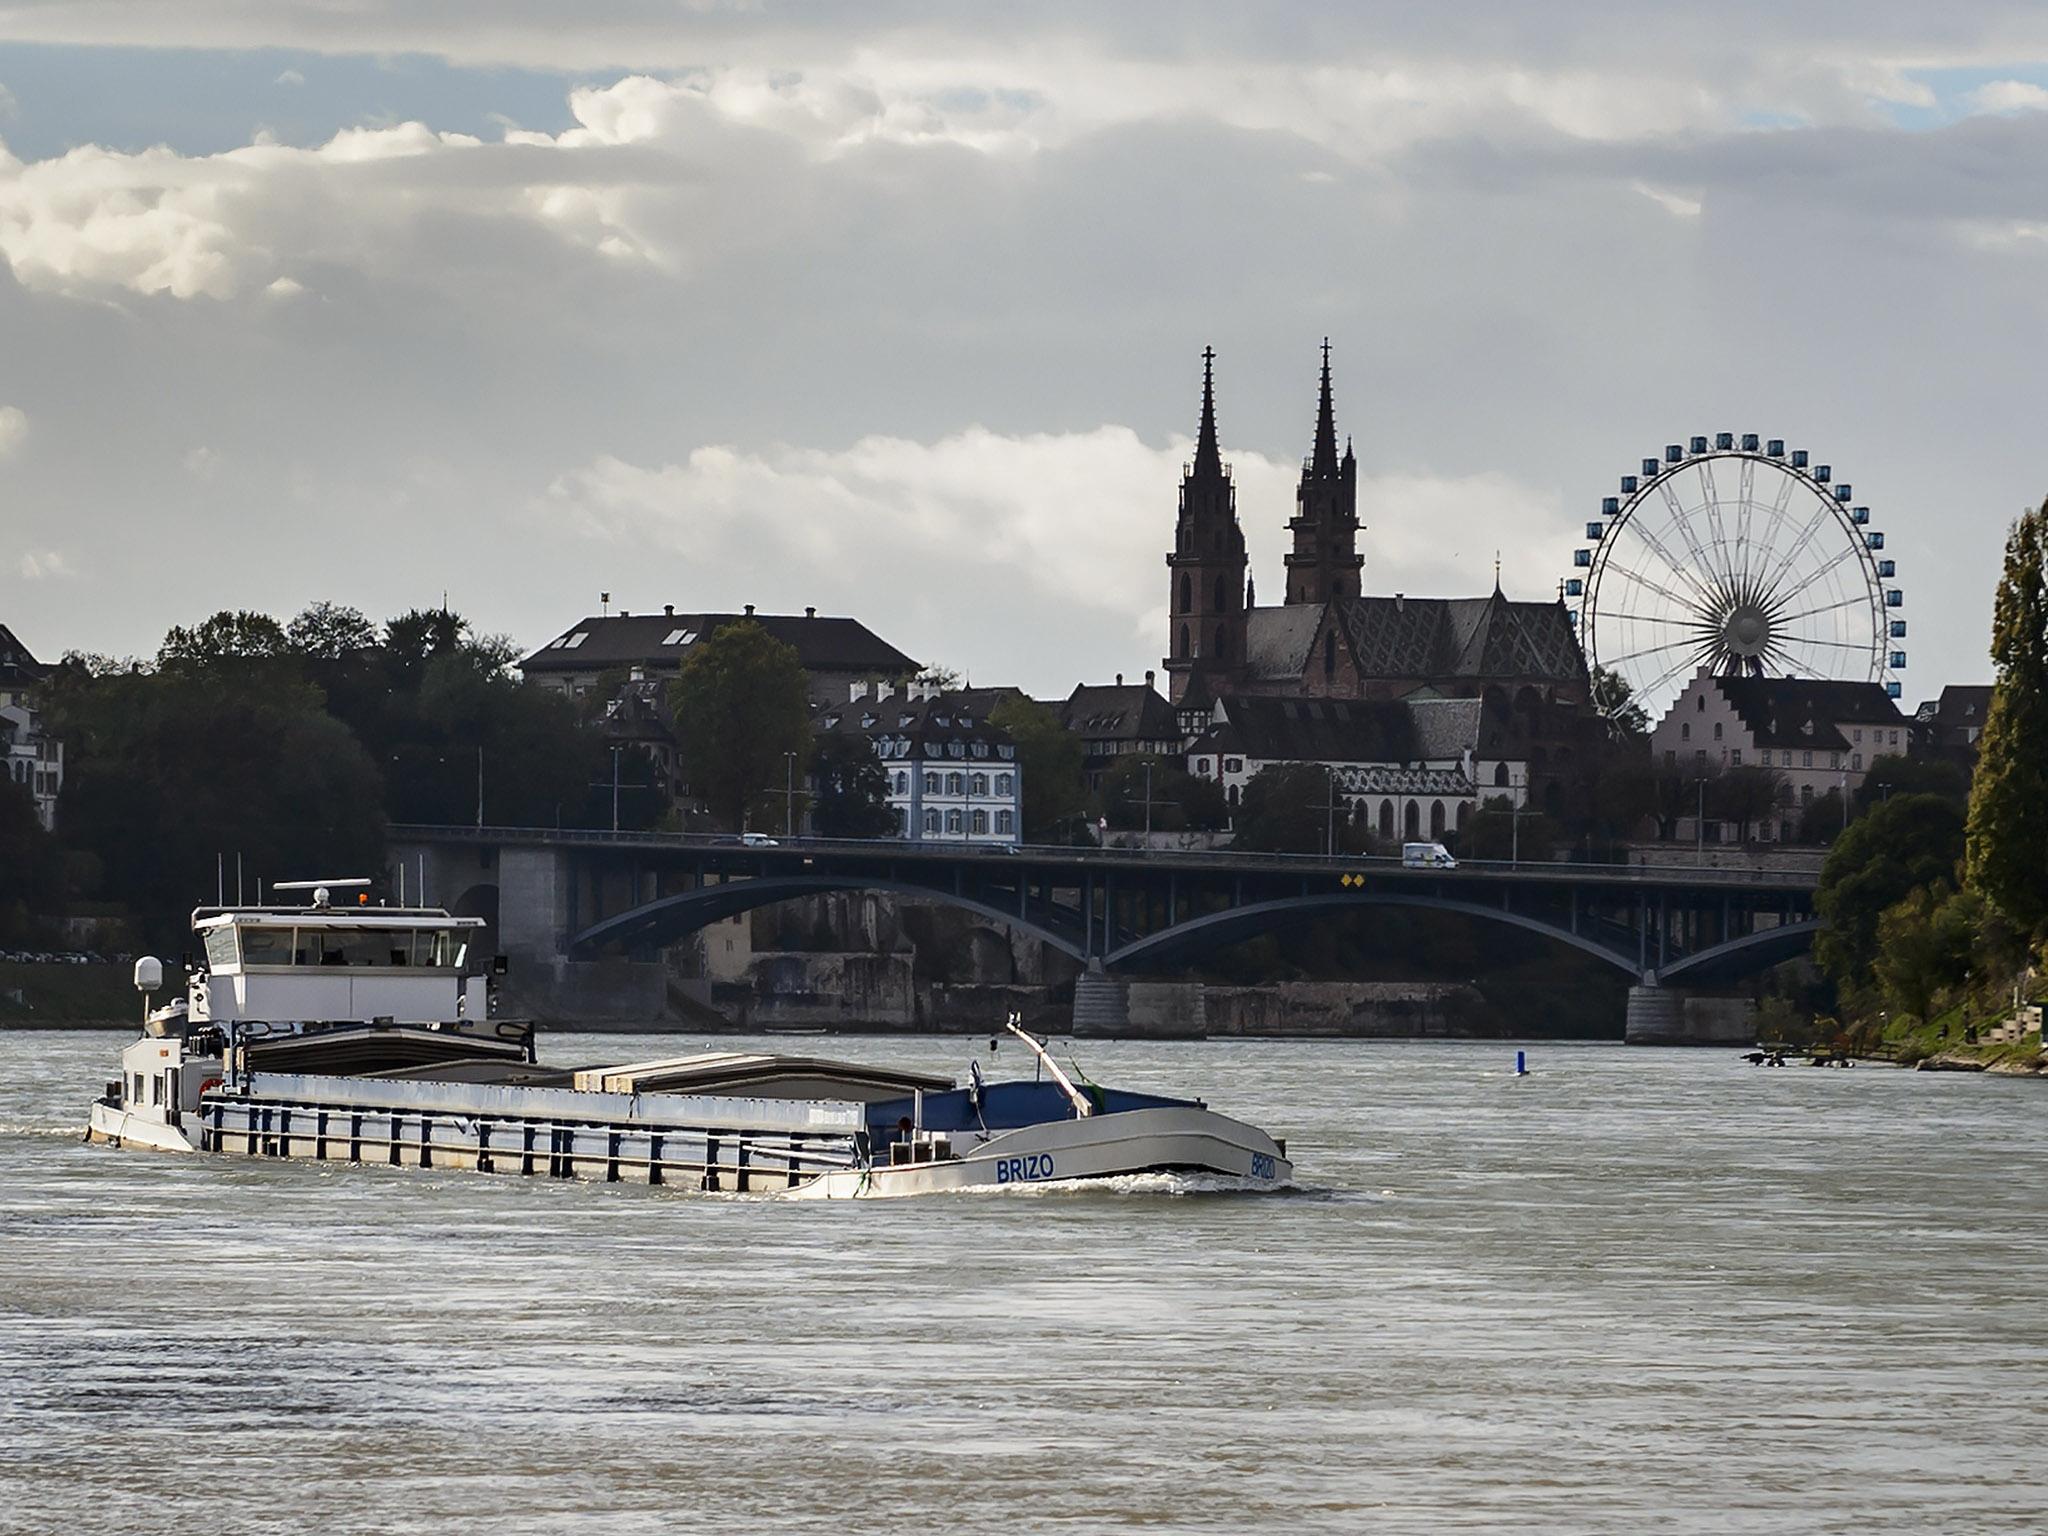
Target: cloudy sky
896,309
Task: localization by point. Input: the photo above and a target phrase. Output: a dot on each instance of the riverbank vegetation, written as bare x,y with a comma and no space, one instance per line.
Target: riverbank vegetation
1936,897
247,750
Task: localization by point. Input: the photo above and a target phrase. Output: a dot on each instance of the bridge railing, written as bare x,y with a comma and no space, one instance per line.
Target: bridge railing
1219,860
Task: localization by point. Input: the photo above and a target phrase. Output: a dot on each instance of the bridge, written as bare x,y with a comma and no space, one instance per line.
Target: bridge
563,896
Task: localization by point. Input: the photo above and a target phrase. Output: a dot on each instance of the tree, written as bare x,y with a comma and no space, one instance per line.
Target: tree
852,798
1286,808
1677,791
1613,697
2007,857
235,635
1049,759
1491,832
330,632
1821,818
169,772
742,712
30,862
1180,801
1897,774
1924,944
1744,796
1907,842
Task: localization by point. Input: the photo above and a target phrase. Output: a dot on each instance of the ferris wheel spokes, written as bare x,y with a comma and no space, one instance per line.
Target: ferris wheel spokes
1724,576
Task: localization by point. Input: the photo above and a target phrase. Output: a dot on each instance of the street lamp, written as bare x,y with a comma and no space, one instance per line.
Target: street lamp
789,794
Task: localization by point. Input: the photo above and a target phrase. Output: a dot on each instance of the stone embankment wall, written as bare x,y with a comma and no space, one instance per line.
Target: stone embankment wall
859,961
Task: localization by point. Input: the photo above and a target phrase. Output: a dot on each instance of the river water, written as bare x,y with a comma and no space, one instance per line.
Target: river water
1635,1291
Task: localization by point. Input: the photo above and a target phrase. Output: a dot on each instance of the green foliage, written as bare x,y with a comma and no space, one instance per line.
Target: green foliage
227,636
1907,842
1897,774
293,746
330,632
2007,860
1924,944
1746,796
1612,696
169,771
1049,758
1180,801
1491,832
741,711
852,790
1820,819
1286,809
31,864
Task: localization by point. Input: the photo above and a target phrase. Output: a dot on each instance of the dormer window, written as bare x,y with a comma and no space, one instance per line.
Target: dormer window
576,639
867,722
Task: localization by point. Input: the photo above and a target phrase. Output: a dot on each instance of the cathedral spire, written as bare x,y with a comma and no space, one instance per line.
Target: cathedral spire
1208,458
1325,463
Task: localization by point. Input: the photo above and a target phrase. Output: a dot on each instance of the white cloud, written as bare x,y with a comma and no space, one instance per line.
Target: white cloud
9,107
1674,203
289,77
13,428
202,462
1069,523
2009,96
43,565
285,288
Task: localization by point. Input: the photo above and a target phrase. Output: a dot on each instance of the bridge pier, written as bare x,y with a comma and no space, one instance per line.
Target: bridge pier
1681,1016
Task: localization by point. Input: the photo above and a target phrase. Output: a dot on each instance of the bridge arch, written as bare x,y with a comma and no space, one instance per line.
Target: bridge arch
1765,947
670,917
1205,933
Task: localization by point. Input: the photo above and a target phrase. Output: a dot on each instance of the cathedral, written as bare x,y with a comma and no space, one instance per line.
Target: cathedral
1327,639
1422,707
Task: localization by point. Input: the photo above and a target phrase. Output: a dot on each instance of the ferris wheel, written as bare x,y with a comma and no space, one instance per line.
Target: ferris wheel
1737,558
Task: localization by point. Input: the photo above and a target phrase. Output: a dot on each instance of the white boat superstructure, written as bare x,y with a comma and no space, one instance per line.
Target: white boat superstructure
365,1034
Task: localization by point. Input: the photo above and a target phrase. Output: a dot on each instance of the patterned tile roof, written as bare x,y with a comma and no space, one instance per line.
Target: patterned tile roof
1463,637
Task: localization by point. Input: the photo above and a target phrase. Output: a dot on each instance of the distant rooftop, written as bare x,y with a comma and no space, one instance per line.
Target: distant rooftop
664,641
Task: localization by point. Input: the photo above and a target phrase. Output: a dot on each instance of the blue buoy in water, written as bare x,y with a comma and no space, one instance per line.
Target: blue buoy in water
1521,1063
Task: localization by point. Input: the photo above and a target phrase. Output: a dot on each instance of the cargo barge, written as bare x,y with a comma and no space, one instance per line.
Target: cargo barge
367,1034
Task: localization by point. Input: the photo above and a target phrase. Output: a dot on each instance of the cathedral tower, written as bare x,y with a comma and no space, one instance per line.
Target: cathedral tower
1325,561
1206,570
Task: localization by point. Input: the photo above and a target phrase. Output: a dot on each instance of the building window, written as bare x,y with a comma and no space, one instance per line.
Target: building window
1895,738
953,822
1699,702
931,784
981,823
1187,601
1006,823
1329,653
1806,759
981,784
1386,818
931,821
1411,820
1670,759
1500,775
1006,784
1834,760
953,783
1735,758
1685,730
1233,765
902,783
1856,761
903,819
1717,730
1856,735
